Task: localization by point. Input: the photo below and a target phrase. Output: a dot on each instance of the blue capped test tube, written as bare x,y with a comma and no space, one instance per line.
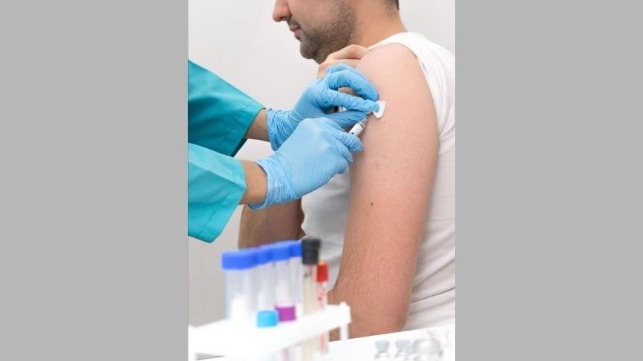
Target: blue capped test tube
265,279
296,274
240,285
280,254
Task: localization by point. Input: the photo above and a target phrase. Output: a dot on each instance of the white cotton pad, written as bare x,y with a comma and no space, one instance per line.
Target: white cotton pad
378,114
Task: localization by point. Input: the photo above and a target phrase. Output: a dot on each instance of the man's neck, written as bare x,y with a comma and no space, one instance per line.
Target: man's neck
375,25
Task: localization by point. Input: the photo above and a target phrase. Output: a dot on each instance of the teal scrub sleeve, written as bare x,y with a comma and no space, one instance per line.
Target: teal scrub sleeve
219,115
216,184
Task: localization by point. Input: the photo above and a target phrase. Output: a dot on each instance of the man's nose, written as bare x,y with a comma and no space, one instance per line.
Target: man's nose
281,12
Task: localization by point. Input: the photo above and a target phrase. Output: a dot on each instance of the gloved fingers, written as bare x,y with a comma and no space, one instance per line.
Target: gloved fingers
348,101
311,124
350,141
328,63
341,157
337,68
342,150
346,119
349,77
331,130
342,166
344,74
278,127
279,178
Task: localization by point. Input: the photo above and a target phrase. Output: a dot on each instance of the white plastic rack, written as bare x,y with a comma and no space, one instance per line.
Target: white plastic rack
249,343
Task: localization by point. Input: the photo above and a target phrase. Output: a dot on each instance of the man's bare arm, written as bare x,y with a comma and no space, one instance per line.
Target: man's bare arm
390,188
271,224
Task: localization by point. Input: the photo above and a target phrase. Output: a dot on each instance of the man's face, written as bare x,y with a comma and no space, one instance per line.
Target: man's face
321,26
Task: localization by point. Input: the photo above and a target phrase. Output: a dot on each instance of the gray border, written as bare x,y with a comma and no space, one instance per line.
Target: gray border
93,262
548,180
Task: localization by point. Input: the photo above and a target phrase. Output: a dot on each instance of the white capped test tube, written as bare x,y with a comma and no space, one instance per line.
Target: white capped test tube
240,289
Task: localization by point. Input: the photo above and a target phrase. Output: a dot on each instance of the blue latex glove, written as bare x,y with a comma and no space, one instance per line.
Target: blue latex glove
315,152
320,98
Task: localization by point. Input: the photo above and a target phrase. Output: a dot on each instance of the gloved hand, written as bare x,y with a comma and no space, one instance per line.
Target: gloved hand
319,98
315,152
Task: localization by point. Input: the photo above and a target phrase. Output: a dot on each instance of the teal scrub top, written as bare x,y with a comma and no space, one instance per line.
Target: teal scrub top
219,116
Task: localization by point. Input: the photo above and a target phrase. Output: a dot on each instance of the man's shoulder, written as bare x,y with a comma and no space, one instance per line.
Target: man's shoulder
387,61
420,46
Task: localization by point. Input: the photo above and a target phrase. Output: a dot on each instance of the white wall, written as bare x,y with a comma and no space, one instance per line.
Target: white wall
238,40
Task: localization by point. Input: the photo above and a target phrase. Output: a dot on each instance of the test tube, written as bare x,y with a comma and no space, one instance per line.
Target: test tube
310,258
322,301
265,279
280,254
267,319
296,274
240,290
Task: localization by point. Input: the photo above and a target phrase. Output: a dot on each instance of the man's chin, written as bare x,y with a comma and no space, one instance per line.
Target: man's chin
304,53
308,53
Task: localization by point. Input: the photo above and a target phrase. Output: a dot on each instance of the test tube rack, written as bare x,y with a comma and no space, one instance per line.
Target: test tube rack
247,343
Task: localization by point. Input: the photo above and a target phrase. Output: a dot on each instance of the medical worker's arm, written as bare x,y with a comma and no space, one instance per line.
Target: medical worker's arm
391,183
219,115
218,183
258,129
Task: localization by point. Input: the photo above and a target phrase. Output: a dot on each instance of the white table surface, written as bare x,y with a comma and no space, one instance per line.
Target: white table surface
363,348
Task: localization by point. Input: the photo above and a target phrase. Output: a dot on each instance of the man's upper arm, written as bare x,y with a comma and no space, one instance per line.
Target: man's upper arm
390,188
271,224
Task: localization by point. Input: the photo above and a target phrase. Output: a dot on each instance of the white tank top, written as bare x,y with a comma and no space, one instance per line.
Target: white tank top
326,210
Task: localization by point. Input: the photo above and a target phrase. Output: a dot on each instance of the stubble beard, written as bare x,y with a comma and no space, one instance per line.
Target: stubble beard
319,43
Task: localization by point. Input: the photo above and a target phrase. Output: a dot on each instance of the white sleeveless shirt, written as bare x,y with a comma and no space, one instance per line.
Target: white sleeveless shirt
326,210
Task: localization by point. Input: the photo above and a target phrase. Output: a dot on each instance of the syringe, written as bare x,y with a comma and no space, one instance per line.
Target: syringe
359,126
